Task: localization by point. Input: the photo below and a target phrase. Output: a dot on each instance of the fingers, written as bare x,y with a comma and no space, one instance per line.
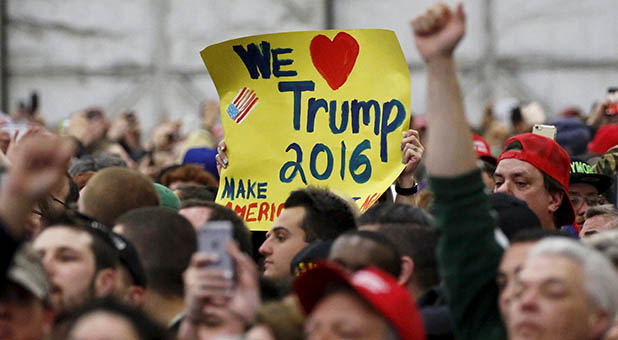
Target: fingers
246,269
412,149
50,150
221,147
460,15
440,13
221,162
221,157
432,20
211,285
203,282
38,163
412,153
411,137
201,259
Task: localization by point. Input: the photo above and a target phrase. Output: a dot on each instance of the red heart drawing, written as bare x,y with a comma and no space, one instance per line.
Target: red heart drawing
334,59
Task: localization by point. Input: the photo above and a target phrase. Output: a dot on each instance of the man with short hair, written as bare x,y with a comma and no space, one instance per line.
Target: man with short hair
513,260
130,276
25,309
408,228
376,307
81,263
599,219
164,241
196,192
606,243
468,253
309,214
199,212
585,188
113,191
357,249
94,163
564,291
535,169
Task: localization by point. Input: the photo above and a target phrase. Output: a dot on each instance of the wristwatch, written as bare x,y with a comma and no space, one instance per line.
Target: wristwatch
406,191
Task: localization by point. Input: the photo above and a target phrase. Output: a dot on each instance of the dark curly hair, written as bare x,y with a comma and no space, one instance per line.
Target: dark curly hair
326,214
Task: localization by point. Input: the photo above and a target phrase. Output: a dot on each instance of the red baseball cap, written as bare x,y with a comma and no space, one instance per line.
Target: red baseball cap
551,159
605,139
377,288
483,151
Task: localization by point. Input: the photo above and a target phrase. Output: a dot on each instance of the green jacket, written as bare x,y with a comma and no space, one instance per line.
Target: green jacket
468,256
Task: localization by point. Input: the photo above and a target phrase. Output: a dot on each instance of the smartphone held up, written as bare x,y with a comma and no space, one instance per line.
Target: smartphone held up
213,238
548,131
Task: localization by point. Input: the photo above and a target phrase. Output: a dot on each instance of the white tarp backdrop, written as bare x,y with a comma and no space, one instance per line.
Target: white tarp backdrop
144,54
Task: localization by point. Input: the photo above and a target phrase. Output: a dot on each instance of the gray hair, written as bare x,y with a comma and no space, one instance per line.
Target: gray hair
605,242
95,163
600,276
607,210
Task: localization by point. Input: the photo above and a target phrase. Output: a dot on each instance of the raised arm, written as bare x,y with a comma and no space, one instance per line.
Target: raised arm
468,255
38,163
437,32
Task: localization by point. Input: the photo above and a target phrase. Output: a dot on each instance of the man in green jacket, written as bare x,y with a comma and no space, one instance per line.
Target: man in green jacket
468,254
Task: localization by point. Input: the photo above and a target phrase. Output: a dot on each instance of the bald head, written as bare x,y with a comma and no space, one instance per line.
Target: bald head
113,191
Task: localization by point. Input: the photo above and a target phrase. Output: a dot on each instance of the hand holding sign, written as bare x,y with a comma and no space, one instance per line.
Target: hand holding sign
221,156
325,108
412,152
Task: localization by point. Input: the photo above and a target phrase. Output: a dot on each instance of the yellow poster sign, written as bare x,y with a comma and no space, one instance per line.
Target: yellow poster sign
322,108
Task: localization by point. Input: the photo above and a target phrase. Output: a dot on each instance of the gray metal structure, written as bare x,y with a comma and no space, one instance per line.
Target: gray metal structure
144,54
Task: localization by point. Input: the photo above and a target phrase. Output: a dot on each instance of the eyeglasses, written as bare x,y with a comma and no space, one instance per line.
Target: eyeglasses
44,206
591,201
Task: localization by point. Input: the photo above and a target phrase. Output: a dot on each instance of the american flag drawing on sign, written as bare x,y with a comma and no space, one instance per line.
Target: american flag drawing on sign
242,105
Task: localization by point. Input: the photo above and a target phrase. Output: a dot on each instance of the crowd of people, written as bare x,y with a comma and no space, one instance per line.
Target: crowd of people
488,233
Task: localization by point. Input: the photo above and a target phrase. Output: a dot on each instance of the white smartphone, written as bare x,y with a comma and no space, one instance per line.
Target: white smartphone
548,131
212,238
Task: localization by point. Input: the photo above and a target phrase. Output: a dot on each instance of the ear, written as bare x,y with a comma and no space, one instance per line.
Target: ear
555,201
105,282
136,296
598,323
407,268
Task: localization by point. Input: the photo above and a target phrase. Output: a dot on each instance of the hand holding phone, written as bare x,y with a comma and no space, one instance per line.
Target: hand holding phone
213,238
207,288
